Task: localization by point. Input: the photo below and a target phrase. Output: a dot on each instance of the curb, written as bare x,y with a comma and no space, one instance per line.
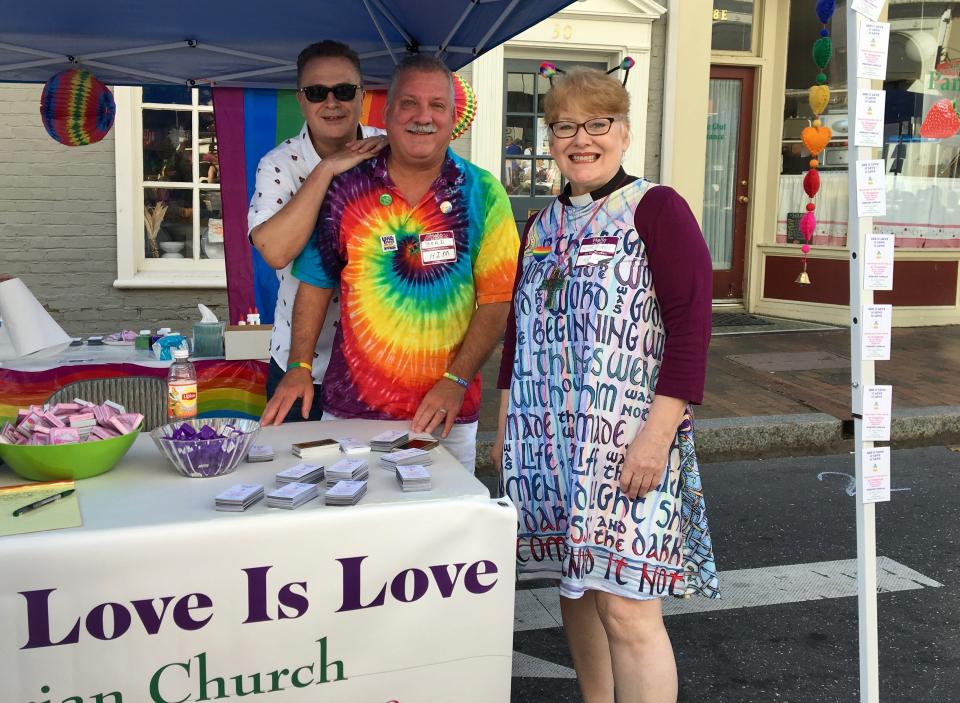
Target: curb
804,434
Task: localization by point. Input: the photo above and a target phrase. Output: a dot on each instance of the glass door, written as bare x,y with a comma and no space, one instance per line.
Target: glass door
727,178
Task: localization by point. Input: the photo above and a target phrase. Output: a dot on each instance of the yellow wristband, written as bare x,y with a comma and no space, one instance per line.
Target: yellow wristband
299,365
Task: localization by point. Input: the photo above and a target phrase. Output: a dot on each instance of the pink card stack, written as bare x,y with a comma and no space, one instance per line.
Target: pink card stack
68,423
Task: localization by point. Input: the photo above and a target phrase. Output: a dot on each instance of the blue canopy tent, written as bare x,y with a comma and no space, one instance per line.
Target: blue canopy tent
250,47
245,43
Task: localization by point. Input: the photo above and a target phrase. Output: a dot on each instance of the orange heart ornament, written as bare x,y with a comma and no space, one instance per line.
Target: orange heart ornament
816,138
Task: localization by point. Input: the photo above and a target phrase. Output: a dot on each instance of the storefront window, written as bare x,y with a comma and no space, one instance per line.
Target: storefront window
733,25
922,173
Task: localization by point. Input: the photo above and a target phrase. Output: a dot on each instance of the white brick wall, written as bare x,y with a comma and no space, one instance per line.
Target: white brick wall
58,229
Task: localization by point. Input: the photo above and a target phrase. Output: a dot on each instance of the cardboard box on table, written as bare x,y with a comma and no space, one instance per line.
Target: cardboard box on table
247,342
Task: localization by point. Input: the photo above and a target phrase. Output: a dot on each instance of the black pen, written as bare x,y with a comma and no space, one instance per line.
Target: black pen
43,501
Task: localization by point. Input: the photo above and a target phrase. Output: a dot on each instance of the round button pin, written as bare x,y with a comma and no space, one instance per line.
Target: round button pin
446,207
386,199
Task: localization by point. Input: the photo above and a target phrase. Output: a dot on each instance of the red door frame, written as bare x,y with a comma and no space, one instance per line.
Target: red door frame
729,283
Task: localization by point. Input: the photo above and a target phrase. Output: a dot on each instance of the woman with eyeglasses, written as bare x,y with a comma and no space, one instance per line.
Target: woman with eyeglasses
604,353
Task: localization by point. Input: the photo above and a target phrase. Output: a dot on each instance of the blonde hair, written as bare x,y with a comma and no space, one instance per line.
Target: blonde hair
592,90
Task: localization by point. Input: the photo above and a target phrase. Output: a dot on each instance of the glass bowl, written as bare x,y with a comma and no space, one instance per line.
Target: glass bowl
204,458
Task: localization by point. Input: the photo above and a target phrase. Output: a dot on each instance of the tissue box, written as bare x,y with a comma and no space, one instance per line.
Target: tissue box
247,342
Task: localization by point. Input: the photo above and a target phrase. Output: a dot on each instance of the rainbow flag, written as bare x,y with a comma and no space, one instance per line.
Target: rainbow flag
227,388
250,122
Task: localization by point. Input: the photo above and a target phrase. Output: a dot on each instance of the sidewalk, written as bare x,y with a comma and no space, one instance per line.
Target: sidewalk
789,393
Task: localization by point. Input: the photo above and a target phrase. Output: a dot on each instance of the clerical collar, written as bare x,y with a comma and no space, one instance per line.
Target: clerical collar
619,180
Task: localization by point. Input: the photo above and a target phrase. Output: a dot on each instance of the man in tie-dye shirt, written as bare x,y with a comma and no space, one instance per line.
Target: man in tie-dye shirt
423,245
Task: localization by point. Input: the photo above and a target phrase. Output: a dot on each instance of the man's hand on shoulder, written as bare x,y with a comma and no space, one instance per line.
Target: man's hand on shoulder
296,383
352,154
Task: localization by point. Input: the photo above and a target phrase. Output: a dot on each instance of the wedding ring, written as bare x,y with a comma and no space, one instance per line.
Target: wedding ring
442,411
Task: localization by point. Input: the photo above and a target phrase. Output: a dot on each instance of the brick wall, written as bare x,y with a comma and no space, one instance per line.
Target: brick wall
58,229
658,52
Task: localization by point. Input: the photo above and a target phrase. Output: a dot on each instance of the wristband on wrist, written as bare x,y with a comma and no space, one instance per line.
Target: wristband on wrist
456,379
299,365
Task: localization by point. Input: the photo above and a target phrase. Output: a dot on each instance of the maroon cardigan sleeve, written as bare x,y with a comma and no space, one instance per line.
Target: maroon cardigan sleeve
510,334
683,280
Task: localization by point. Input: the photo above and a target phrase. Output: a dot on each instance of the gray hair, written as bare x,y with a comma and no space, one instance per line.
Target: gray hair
424,63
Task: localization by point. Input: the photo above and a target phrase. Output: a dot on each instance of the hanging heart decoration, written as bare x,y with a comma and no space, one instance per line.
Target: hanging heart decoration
825,10
822,52
816,137
808,224
819,99
811,184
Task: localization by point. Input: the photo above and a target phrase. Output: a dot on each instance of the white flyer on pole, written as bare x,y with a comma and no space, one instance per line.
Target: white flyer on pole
870,111
873,49
875,486
877,321
871,188
868,8
877,406
878,262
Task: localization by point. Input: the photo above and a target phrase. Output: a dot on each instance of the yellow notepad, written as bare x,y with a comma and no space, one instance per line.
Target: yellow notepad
35,507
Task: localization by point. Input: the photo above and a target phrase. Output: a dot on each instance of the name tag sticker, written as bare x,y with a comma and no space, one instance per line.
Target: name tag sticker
437,248
596,250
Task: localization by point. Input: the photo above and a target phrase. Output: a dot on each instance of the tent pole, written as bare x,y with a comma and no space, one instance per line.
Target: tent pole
862,373
456,27
242,54
393,21
479,49
383,37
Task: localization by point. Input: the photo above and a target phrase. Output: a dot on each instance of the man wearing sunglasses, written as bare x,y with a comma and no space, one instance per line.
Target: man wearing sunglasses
291,184
424,247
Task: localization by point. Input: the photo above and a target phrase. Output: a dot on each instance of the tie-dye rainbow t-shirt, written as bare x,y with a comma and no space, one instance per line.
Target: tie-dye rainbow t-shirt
410,279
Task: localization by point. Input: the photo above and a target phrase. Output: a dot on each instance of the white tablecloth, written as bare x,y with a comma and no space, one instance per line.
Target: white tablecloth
412,593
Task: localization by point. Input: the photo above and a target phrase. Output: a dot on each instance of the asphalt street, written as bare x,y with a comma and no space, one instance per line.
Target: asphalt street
769,515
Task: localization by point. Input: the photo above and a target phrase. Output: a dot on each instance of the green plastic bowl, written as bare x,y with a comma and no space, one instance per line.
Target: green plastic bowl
66,461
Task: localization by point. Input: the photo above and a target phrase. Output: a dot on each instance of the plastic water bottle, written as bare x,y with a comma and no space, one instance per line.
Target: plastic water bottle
181,387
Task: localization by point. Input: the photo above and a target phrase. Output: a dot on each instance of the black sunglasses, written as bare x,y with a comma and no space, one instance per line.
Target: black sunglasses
344,92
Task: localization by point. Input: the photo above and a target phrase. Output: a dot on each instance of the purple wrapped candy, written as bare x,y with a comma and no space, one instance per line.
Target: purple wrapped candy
207,432
213,448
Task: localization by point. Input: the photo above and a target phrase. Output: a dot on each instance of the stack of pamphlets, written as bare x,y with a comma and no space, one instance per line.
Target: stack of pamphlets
386,441
347,470
405,457
260,452
238,498
301,473
352,445
414,478
318,449
346,493
291,495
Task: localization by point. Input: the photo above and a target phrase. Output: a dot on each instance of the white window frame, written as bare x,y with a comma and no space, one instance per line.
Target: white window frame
134,270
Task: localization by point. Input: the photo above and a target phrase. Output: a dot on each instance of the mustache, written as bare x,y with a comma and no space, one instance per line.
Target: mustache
429,128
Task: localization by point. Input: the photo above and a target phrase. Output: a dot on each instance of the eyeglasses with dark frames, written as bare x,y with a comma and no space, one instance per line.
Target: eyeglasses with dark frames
343,92
595,127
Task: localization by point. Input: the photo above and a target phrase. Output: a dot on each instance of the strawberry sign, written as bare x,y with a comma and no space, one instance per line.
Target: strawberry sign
942,121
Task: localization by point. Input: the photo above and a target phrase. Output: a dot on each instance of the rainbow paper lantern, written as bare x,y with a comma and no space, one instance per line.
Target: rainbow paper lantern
465,105
76,108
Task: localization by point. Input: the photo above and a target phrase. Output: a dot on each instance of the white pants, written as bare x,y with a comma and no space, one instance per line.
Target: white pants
461,442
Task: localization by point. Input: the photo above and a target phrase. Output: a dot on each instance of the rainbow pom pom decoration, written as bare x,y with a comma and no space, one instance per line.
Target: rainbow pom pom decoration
465,105
76,108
